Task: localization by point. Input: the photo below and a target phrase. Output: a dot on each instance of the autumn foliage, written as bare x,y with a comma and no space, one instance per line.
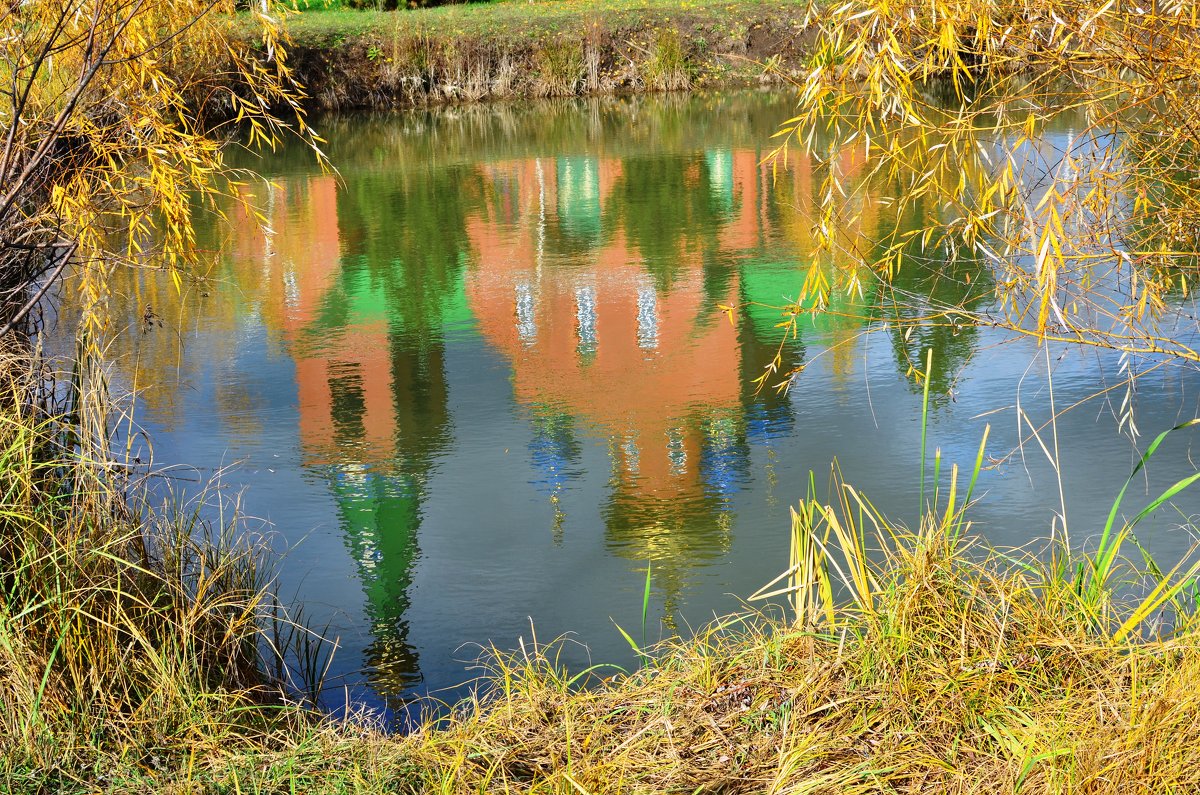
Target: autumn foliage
111,113
960,107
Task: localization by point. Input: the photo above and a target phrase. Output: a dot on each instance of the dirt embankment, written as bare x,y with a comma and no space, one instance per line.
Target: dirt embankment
388,60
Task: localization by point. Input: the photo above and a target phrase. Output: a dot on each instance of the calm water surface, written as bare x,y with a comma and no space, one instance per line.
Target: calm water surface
477,379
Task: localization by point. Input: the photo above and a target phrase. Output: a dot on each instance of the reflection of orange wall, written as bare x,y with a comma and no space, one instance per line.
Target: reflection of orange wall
745,230
300,262
641,394
291,266
752,179
359,354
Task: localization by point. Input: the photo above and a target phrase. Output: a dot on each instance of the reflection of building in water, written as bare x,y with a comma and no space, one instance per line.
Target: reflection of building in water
656,371
600,280
362,313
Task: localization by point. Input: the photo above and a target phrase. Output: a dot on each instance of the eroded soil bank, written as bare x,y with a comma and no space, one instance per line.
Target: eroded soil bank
366,59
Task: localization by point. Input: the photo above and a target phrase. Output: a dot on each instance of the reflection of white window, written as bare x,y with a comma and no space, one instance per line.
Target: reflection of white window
354,482
370,555
526,325
585,313
675,452
720,173
630,449
291,290
647,318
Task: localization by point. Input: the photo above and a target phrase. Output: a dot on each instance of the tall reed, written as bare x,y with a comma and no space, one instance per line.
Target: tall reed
123,629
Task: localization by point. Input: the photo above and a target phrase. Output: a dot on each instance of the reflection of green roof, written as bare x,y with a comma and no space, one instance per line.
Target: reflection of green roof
455,309
368,301
767,285
720,176
579,195
380,519
777,284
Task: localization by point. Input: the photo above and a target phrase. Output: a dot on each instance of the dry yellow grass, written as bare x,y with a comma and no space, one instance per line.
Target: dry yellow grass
969,675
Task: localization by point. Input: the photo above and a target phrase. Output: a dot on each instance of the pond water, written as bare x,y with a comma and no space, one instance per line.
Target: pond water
480,377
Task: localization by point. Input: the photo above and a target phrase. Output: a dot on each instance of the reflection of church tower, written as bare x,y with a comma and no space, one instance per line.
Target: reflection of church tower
379,517
364,311
403,249
381,483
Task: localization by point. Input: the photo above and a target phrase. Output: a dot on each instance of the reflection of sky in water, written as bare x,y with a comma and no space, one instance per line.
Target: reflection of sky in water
483,379
723,474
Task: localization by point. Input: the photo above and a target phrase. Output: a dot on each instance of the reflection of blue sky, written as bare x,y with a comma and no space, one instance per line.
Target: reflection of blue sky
551,450
1093,282
766,422
722,463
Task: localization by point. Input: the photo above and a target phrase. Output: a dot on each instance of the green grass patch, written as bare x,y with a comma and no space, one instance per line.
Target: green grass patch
516,19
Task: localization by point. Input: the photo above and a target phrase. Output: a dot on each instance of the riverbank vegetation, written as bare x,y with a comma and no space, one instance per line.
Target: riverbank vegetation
126,626
912,661
119,622
140,650
349,58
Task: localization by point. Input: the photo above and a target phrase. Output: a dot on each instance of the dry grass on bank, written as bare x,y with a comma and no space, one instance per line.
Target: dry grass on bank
968,674
966,677
925,663
126,633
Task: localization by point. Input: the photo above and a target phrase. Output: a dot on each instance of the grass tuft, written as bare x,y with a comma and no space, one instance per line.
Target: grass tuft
559,68
666,67
128,636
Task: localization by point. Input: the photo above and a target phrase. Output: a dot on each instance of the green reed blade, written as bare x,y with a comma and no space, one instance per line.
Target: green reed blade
924,429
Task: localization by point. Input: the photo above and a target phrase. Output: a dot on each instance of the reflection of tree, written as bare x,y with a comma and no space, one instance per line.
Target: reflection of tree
677,532
929,284
666,204
492,132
